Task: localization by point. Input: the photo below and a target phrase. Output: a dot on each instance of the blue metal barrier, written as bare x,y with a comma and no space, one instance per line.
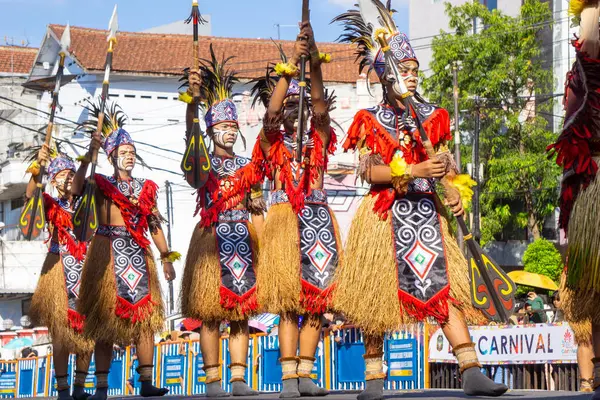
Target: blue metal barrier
8,379
198,385
174,367
269,373
27,374
178,366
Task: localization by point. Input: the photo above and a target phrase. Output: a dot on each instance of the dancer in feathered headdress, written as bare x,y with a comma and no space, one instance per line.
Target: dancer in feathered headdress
54,302
219,279
578,152
400,254
120,291
301,246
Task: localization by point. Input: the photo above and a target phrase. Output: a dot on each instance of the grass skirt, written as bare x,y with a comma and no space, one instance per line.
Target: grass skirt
367,284
577,312
98,298
201,283
581,291
49,307
279,282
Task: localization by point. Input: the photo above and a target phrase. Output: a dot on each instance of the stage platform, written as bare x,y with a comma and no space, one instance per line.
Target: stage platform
416,394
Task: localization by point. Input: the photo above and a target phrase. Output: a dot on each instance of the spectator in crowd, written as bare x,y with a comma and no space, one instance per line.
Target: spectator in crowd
538,316
559,315
28,352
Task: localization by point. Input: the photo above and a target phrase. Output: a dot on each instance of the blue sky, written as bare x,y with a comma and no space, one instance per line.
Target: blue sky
27,19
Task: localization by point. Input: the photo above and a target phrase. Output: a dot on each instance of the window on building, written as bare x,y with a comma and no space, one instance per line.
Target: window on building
491,4
146,97
113,95
162,98
130,96
25,305
17,203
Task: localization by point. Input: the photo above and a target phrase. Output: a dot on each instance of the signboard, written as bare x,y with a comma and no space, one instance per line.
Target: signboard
401,359
173,370
200,374
90,379
8,384
524,344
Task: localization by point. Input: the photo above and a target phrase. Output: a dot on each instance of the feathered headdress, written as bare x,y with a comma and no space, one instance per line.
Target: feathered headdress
217,89
59,161
112,127
369,51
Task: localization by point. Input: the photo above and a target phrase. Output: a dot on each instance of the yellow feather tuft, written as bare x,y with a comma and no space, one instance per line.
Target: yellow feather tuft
398,166
33,169
185,97
463,183
577,6
325,58
286,69
170,256
83,158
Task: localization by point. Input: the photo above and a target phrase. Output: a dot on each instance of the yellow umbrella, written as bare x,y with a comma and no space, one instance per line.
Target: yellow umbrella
534,280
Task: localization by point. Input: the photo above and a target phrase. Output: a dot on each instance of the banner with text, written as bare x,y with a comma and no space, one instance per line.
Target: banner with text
524,344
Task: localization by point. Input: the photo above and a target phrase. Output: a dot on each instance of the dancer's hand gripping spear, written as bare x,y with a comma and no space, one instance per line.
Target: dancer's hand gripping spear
85,219
301,117
492,291
33,216
196,161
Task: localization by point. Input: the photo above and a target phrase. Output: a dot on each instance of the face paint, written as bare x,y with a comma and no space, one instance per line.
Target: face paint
221,137
122,162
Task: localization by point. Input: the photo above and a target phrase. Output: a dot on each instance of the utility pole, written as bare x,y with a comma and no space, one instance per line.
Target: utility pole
477,190
169,194
456,116
459,234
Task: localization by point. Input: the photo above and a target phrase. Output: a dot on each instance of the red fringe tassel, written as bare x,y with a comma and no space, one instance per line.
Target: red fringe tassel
137,312
129,211
365,128
248,303
62,221
573,149
437,307
76,320
315,300
244,179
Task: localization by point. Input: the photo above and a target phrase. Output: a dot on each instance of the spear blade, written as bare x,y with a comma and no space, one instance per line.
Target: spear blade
113,25
65,40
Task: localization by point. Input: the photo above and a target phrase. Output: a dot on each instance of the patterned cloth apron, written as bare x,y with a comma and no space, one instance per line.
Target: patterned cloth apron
236,254
72,268
319,250
130,267
419,243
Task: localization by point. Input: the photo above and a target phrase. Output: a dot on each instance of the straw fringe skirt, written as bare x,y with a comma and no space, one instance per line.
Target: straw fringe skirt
201,283
99,298
581,291
279,282
367,284
579,322
49,307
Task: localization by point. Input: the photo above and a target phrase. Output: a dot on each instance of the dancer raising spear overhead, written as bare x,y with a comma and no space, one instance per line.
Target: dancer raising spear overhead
300,246
219,279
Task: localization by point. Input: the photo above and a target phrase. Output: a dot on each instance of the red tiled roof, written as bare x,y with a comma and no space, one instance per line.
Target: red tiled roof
165,54
18,60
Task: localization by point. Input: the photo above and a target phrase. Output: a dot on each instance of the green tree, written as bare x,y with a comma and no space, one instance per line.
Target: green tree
502,63
541,257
